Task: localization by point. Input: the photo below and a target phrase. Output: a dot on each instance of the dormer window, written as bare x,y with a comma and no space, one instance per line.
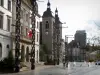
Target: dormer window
47,25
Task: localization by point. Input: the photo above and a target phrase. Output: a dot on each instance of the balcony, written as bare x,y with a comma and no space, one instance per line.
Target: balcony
23,38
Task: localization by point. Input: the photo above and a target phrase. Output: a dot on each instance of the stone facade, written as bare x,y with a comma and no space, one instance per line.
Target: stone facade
5,27
80,37
51,31
25,43
47,29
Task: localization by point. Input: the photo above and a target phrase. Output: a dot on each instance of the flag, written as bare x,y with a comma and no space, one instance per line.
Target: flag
30,33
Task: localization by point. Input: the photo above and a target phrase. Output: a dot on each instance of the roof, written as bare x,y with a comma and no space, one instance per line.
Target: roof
47,13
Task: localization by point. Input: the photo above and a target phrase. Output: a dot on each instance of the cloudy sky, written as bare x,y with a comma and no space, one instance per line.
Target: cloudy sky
78,15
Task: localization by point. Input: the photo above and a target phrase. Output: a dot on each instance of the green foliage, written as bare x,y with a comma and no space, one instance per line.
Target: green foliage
94,48
91,60
98,56
42,55
44,52
45,49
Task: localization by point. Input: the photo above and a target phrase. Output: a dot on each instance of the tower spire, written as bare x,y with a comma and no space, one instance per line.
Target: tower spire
48,4
56,11
56,15
48,12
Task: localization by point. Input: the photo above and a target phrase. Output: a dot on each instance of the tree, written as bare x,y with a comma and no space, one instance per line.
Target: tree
44,54
98,56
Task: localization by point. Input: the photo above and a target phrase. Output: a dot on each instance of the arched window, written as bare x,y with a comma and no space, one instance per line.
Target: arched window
0,50
37,56
7,48
27,54
22,53
47,25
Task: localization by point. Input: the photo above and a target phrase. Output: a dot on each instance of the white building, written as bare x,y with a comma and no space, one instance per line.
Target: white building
37,40
25,44
5,27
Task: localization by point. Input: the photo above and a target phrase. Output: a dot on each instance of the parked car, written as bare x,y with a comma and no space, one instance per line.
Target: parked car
97,63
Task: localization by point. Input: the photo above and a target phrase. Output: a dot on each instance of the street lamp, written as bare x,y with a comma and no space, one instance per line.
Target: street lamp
17,36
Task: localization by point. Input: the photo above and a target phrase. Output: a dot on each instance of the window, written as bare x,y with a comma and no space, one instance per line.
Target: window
8,23
24,14
21,30
37,24
9,5
21,14
1,2
0,50
1,21
47,25
27,17
37,37
37,56
8,46
26,31
27,54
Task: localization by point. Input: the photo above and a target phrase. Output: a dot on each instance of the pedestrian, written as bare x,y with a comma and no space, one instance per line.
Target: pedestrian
80,65
74,63
64,64
88,65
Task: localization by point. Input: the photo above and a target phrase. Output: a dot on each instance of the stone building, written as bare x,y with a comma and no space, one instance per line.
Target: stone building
5,27
25,40
48,21
62,52
80,37
47,28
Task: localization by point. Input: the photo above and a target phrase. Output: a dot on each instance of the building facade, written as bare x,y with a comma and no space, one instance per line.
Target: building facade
5,27
51,31
62,50
48,21
25,40
58,26
74,52
80,37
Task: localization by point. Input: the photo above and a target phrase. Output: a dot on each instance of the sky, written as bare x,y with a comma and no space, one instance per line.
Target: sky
78,15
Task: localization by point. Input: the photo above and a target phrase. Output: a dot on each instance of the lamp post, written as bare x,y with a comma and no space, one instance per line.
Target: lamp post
17,36
33,3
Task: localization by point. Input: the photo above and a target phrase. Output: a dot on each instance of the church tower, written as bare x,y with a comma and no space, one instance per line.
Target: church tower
48,21
58,25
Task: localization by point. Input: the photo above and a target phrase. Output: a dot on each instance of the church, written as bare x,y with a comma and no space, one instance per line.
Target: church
51,33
